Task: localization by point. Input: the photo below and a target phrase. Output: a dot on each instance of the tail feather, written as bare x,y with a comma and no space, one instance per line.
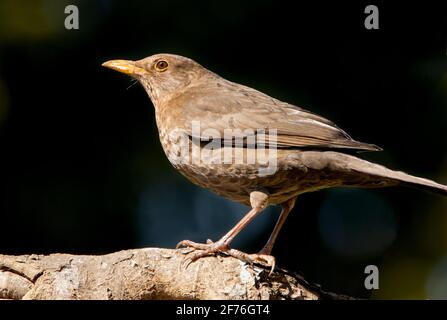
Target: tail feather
387,176
419,183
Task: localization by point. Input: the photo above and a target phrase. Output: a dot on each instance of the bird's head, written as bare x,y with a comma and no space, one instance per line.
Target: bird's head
162,75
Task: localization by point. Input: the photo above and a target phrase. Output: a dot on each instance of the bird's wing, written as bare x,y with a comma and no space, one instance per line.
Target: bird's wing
245,112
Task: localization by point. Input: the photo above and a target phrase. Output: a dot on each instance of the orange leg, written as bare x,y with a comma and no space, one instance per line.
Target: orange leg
258,200
286,208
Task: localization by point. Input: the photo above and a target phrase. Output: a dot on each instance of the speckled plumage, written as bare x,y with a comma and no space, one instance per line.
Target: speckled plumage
190,93
310,154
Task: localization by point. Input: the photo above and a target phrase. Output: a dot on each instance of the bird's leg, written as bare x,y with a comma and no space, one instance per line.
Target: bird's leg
258,200
264,256
286,208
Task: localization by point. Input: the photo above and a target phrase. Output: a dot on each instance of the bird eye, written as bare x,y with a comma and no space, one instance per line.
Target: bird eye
161,65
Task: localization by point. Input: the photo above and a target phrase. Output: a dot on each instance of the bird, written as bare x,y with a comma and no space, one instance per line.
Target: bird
249,147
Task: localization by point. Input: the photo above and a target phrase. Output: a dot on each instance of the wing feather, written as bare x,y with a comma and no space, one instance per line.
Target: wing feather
248,112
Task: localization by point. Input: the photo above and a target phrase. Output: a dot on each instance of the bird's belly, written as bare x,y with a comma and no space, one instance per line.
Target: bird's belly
234,173
229,181
237,182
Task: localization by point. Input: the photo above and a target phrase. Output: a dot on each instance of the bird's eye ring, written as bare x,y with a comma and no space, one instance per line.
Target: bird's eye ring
161,65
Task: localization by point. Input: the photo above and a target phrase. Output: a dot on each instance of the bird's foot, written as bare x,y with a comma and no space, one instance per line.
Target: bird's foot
210,248
202,249
195,245
265,260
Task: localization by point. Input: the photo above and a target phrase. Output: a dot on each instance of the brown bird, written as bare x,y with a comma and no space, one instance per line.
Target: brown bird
249,147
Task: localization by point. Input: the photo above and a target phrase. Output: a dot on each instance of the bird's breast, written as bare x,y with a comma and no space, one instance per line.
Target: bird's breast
232,172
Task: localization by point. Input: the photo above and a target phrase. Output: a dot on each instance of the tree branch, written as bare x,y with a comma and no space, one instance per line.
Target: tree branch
150,273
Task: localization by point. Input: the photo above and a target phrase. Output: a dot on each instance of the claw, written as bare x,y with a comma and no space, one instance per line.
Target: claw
210,248
186,250
262,259
183,244
268,261
186,262
179,245
194,245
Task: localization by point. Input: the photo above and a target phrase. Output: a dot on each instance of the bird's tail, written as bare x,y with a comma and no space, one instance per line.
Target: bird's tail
414,182
362,173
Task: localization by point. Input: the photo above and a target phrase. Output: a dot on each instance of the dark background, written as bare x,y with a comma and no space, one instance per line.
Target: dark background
82,169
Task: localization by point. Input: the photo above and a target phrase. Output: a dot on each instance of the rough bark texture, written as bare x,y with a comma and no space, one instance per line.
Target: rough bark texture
150,273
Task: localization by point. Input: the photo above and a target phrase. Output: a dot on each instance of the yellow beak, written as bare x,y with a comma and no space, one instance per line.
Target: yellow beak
124,66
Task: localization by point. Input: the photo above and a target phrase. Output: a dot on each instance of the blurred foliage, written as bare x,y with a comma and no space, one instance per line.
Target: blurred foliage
24,21
403,277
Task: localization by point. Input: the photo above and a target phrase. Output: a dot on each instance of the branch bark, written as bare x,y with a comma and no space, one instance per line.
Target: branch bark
150,273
